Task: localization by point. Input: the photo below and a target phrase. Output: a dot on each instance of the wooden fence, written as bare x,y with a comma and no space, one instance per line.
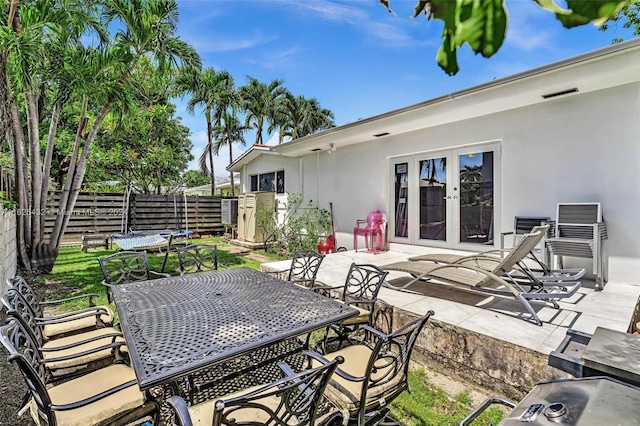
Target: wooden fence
105,213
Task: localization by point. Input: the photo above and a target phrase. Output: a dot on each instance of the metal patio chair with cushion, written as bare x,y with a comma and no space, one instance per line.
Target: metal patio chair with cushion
580,231
359,291
490,275
106,396
66,323
68,356
373,374
538,272
293,399
197,258
124,267
303,270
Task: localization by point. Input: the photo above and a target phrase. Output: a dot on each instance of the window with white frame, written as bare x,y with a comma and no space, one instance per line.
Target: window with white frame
272,181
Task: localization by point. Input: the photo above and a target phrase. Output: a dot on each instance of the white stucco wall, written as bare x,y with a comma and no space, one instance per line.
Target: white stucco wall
583,147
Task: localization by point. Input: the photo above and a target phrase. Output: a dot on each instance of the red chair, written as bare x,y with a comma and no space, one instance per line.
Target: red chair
372,228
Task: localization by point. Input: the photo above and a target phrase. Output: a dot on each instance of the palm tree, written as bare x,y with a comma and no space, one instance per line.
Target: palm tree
228,132
147,28
40,39
260,102
205,88
31,50
316,118
302,117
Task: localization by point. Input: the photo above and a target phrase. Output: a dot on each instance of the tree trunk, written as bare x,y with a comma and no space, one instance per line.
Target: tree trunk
56,233
13,132
31,101
46,167
210,148
81,168
233,186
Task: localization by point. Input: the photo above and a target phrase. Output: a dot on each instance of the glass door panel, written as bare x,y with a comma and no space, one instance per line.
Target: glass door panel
433,199
476,196
401,196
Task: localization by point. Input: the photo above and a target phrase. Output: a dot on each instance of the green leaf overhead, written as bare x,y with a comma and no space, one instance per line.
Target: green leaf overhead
482,24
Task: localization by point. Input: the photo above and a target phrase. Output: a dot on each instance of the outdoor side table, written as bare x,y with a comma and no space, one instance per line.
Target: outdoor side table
177,326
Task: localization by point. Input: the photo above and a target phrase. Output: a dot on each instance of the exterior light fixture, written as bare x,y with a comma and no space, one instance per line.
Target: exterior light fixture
331,148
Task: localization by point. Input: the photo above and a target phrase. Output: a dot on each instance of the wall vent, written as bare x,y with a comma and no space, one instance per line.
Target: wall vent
562,92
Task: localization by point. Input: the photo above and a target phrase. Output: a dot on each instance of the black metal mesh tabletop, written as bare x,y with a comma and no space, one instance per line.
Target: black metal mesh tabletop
178,325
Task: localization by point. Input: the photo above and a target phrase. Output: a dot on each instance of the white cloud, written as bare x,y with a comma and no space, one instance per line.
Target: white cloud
391,35
327,10
277,60
525,29
218,43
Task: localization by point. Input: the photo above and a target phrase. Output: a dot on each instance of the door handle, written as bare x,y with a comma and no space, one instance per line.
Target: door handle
448,197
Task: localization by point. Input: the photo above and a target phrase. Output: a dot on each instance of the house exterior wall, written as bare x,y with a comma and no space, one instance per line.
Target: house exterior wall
582,147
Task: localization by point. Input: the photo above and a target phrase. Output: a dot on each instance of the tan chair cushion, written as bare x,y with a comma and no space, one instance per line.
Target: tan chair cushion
361,318
52,330
202,414
85,359
89,385
345,393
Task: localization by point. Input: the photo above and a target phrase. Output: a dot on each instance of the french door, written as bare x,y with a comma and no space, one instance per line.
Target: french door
445,198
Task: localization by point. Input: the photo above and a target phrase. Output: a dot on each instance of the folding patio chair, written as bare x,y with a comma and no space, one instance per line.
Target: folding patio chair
580,232
475,274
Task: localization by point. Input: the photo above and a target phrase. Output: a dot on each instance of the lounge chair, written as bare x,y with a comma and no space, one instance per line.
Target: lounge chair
475,274
542,272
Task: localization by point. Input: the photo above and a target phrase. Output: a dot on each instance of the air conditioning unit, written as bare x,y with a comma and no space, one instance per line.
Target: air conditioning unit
229,211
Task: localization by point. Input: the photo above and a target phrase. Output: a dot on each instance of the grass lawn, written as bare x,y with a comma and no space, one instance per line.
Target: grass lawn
76,272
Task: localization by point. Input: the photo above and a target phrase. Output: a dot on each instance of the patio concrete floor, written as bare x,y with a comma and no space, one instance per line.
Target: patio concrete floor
501,318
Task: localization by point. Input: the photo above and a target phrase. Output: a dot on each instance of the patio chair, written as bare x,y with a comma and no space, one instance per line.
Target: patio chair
580,232
197,258
303,270
67,323
68,356
373,229
359,291
476,275
124,267
541,272
373,374
294,399
523,225
103,397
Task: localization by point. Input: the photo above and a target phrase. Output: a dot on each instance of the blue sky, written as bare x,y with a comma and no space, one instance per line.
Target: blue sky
354,57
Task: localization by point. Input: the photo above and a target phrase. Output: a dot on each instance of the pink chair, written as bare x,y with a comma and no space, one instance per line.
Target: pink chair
372,228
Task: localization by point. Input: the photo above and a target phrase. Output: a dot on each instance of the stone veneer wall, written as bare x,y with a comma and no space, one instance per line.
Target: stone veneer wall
499,367
8,246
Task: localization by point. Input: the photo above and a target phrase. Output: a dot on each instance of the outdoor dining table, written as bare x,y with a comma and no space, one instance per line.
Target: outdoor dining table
176,326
